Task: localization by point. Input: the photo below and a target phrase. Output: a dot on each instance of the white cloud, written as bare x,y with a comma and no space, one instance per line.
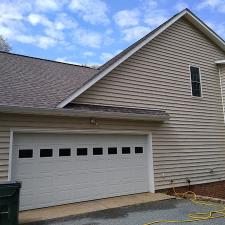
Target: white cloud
153,14
126,18
92,11
88,38
36,19
219,28
155,17
213,4
181,6
88,53
46,5
43,42
105,56
134,33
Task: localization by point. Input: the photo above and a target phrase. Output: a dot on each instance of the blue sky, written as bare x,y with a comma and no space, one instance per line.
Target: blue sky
92,31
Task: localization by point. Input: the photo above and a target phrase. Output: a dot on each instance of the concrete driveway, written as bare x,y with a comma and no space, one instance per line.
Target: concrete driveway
139,214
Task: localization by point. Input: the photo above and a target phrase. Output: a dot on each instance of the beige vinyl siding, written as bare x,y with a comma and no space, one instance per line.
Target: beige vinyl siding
157,77
10,121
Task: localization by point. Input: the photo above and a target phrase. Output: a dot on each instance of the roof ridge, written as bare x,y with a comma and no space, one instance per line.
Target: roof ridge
48,60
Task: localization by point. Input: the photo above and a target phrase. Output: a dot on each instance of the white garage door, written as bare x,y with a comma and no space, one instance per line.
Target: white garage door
64,168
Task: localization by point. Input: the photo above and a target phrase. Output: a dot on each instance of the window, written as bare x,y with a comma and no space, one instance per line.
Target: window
97,151
64,152
82,151
195,81
138,150
112,150
125,150
25,153
46,152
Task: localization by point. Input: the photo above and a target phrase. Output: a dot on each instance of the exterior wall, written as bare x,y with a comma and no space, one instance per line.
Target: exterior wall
10,121
157,76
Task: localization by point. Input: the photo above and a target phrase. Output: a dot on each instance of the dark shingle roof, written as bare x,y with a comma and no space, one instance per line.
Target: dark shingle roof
33,82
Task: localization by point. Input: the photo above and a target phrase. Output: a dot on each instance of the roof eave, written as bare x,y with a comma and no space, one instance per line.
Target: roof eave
82,113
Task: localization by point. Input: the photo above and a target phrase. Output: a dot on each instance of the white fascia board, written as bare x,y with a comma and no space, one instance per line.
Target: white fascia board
222,61
188,15
117,63
206,30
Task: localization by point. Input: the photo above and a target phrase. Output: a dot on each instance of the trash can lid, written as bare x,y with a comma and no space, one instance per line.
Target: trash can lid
11,184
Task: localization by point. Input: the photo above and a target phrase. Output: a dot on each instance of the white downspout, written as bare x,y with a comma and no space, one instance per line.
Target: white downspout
222,92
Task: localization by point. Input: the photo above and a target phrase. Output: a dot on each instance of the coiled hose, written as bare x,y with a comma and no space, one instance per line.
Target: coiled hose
193,217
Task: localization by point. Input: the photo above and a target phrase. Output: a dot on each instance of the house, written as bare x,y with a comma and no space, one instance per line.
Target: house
151,116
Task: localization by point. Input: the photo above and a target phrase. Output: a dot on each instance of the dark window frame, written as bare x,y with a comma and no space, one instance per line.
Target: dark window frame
82,151
124,152
25,156
112,150
97,151
64,152
44,154
137,150
196,81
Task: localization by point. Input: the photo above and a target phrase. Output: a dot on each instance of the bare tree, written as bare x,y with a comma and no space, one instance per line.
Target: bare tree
4,46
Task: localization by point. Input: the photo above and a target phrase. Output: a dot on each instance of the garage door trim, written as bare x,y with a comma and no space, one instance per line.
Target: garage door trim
92,131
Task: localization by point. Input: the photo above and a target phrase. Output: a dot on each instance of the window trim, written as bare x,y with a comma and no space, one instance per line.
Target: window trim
200,76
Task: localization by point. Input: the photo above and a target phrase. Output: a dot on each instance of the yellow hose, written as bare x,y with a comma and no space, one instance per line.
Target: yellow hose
193,217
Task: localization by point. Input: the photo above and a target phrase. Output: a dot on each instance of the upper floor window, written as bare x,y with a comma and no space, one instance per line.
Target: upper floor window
195,81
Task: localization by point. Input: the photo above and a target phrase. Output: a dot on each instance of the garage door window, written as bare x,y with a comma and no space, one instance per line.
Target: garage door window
45,153
82,151
97,151
125,150
64,152
138,150
112,150
25,153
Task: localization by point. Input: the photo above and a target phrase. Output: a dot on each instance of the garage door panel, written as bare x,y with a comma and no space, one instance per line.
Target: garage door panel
80,175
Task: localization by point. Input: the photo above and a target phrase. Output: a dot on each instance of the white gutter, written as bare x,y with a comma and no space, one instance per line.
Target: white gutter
82,113
222,61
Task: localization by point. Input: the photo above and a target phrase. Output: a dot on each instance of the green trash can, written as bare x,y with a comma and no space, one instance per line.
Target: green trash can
9,203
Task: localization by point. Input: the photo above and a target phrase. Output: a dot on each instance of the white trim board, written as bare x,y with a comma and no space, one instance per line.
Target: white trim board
188,15
222,61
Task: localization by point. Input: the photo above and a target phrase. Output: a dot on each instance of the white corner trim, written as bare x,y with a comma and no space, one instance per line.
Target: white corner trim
114,65
222,91
222,61
151,181
10,156
191,17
